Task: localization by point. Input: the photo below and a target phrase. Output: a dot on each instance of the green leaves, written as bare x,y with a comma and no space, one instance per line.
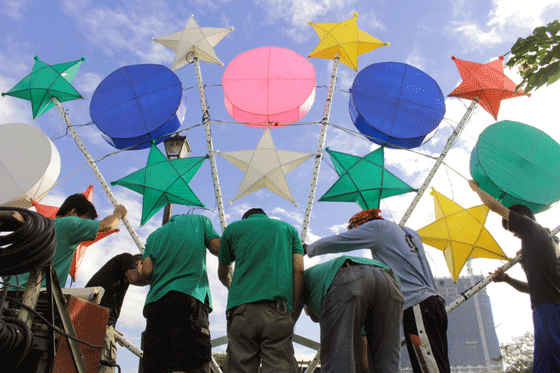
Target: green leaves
537,57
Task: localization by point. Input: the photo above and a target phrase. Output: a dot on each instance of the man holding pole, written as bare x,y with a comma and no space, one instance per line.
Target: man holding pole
539,256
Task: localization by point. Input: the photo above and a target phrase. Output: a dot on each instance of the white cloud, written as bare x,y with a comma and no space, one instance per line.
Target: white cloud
117,30
508,20
297,14
416,59
86,83
14,8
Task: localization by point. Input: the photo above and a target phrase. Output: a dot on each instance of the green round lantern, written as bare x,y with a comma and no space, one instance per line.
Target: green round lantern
517,163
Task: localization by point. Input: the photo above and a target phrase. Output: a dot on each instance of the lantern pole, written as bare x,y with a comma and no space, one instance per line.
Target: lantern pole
439,161
97,173
320,149
206,122
488,279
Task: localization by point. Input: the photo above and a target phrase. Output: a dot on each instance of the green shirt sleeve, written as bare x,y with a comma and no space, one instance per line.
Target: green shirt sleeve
209,231
78,230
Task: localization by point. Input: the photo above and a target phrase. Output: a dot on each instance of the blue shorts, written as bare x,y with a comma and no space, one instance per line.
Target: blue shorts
546,319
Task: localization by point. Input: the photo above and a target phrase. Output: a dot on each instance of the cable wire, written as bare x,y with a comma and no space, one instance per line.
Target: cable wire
30,244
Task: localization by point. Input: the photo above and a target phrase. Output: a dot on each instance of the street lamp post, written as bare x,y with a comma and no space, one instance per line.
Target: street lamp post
176,147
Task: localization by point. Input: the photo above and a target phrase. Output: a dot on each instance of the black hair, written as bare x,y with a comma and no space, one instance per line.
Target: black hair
79,202
254,210
138,257
521,210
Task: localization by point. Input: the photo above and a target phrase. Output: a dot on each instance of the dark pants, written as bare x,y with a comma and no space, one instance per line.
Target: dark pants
177,336
368,297
260,331
431,313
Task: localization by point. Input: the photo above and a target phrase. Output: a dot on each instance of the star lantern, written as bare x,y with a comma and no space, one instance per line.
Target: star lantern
485,82
345,39
45,82
363,180
163,181
265,167
194,41
460,234
50,212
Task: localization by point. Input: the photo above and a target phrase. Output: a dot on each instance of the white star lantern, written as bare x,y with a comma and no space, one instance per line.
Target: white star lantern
194,40
265,167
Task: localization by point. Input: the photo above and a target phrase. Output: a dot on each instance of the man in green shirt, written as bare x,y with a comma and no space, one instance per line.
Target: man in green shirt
350,295
74,223
264,292
177,336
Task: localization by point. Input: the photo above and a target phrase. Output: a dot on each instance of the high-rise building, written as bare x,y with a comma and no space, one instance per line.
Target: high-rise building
464,334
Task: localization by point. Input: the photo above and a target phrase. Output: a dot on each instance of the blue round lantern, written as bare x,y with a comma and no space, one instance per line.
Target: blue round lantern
136,104
396,105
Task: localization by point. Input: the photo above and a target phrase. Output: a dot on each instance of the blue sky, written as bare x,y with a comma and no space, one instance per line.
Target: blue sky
112,34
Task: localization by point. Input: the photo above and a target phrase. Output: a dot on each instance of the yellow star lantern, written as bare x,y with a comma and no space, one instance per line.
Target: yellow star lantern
344,39
460,234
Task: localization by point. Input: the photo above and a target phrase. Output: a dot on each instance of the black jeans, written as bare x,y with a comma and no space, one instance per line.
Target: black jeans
177,336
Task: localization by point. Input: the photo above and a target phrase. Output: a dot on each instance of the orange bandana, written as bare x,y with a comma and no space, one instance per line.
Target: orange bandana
363,217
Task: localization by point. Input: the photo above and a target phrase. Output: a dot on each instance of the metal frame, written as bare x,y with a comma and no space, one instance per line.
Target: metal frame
97,173
320,149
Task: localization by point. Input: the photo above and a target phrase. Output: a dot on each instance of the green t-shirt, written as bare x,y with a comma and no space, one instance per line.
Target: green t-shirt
262,250
318,279
178,253
70,232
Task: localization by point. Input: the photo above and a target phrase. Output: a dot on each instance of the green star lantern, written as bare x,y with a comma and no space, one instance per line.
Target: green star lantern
45,82
363,180
163,181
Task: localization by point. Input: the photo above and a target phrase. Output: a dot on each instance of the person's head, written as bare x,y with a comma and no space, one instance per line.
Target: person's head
254,210
363,217
77,205
521,210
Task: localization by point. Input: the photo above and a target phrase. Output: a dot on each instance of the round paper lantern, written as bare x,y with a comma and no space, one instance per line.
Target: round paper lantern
269,86
517,163
395,104
29,164
136,104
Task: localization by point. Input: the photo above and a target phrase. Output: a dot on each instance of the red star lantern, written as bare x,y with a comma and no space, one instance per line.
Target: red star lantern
485,82
50,212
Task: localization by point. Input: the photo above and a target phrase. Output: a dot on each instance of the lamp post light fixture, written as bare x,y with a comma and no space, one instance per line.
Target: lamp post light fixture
176,147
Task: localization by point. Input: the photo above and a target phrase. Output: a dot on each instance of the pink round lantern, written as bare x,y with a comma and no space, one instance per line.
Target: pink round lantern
269,86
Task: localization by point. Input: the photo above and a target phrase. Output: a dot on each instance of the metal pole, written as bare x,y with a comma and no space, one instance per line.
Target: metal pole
166,213
488,279
320,149
97,173
126,344
206,122
479,319
439,161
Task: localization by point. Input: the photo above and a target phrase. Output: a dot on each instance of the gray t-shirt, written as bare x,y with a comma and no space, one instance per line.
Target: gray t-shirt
400,249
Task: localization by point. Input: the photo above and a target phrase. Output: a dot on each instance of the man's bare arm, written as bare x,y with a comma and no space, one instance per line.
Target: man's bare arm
500,276
491,202
112,221
214,246
298,277
225,274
